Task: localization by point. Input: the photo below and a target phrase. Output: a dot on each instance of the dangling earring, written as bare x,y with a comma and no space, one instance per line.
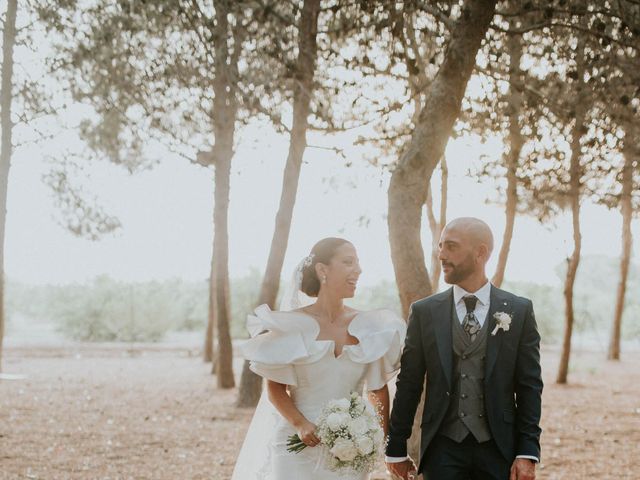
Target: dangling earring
324,279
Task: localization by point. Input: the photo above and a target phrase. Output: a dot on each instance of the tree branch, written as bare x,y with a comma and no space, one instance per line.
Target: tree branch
438,15
538,26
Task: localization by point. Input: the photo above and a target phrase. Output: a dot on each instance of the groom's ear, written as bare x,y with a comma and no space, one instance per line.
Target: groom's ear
484,252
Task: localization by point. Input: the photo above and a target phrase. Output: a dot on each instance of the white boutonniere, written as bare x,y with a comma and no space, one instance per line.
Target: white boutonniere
503,322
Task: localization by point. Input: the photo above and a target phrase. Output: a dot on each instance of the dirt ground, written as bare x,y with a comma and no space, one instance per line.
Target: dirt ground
141,412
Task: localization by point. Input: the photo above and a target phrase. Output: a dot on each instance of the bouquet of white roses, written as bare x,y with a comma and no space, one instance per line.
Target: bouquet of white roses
350,431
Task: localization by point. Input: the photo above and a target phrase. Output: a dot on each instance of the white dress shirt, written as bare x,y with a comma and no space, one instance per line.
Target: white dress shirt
481,311
482,305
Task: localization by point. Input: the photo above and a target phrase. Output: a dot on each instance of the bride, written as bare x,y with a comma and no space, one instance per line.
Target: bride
310,353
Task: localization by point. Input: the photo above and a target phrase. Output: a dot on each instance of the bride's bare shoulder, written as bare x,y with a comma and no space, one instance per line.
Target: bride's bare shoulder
304,310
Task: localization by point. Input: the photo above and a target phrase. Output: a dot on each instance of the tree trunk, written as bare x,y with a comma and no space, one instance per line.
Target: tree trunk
516,141
224,360
224,116
410,180
627,240
250,383
574,198
8,41
572,269
444,202
436,226
209,342
208,339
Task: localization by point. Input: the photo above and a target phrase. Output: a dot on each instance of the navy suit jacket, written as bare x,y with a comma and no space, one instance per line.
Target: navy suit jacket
512,384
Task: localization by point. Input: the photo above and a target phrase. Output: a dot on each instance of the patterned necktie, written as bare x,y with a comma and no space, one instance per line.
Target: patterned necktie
470,324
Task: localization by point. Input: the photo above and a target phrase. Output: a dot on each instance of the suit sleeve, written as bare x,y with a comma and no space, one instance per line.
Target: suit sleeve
528,388
409,387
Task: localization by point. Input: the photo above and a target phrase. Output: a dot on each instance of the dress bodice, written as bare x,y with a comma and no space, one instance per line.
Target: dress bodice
284,348
328,378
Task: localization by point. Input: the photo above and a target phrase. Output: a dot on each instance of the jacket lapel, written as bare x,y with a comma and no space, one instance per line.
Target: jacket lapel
498,303
444,338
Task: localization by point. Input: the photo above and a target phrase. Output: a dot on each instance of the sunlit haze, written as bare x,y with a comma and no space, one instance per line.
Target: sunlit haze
166,215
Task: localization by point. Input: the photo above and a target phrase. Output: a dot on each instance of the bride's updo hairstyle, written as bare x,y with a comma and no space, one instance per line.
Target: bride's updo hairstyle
322,252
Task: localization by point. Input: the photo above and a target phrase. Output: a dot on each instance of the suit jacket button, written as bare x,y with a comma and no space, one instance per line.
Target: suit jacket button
463,396
464,375
480,416
448,394
464,357
462,414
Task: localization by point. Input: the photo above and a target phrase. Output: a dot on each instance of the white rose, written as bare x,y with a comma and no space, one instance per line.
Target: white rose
343,404
503,321
335,421
372,420
344,450
358,426
364,445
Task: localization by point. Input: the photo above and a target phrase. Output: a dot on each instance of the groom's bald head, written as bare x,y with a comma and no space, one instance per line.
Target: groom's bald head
465,247
475,230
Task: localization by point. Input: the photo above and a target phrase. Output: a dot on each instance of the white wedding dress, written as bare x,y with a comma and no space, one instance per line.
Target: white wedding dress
290,353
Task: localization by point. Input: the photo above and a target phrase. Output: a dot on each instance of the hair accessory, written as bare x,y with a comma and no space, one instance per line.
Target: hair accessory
308,260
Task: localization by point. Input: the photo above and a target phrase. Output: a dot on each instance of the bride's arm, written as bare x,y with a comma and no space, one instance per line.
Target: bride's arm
280,399
380,398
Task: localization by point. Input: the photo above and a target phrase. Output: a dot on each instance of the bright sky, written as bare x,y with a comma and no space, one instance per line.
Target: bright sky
167,216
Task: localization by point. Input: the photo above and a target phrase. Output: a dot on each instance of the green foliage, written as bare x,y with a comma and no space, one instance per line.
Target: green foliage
108,310
597,286
244,293
113,311
382,295
548,305
594,300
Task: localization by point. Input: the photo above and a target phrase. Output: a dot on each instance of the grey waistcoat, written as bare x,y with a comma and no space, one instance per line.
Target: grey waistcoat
466,413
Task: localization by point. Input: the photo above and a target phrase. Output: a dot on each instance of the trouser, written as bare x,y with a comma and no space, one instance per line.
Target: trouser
446,459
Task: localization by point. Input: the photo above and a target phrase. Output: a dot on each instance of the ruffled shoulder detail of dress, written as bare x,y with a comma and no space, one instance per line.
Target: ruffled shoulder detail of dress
282,338
381,336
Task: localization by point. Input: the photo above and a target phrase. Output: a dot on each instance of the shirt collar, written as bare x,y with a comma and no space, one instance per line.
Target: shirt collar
483,294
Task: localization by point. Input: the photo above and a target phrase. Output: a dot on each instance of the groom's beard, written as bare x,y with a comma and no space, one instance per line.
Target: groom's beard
460,272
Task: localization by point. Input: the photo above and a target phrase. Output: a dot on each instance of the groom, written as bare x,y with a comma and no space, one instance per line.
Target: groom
479,349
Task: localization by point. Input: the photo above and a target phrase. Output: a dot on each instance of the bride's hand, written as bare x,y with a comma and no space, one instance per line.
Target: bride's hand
307,433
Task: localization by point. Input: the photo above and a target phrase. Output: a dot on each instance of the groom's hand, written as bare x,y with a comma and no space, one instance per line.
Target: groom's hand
405,470
523,469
